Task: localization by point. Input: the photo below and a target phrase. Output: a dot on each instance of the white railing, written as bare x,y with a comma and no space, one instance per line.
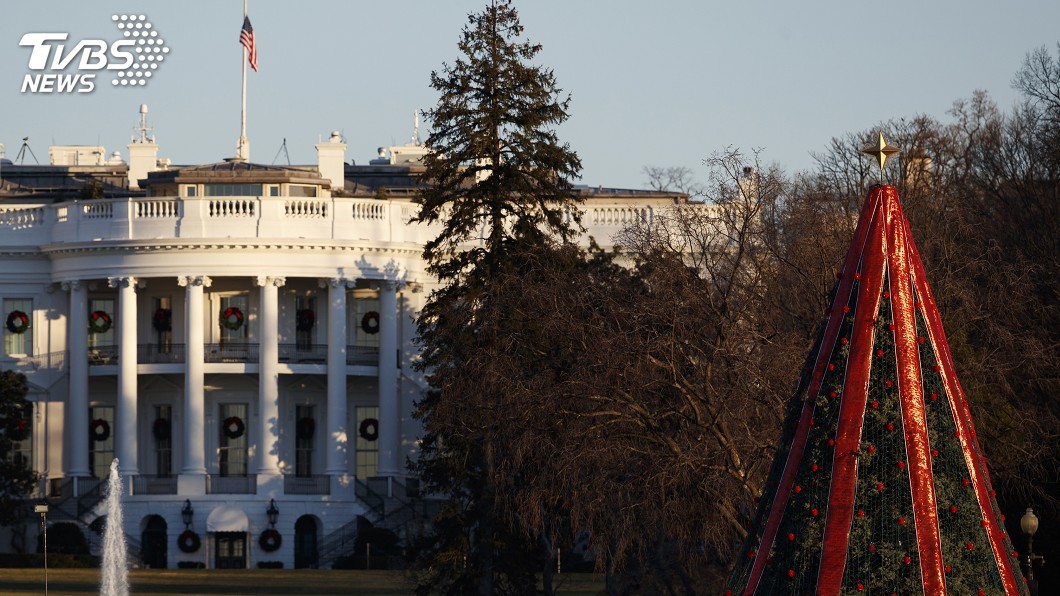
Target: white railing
308,219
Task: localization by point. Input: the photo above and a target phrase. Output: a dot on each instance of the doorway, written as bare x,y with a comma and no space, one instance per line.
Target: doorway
154,544
231,551
305,543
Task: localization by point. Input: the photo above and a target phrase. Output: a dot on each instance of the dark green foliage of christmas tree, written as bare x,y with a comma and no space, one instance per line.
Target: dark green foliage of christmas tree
899,433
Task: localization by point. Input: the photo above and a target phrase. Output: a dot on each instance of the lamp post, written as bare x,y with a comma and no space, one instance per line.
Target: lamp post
1029,525
43,511
272,512
186,512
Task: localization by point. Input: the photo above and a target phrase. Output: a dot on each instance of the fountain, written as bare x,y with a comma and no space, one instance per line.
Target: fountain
115,581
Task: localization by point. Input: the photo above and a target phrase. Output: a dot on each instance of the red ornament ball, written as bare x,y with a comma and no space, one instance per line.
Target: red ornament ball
949,568
901,465
890,326
791,536
831,366
889,383
919,339
907,560
857,276
879,353
844,341
861,587
791,573
814,512
886,295
875,405
970,546
750,554
934,453
846,309
890,426
813,468
901,521
872,547
879,486
872,449
831,442
798,489
861,513
934,397
953,509
965,482
832,394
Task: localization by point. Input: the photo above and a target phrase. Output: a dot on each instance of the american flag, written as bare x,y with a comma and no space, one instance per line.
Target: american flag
246,37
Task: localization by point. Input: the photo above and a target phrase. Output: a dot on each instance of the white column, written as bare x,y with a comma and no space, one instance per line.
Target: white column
269,377
390,461
336,447
194,408
76,431
125,417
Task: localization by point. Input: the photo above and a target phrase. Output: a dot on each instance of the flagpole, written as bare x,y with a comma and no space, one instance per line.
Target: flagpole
243,149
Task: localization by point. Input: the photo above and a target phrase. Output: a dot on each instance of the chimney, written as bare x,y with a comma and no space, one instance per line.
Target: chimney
331,157
143,152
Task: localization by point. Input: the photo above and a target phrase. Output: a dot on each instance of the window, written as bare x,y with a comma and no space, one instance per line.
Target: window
162,323
362,317
273,190
367,448
232,190
304,432
305,322
101,441
163,432
106,338
301,190
239,334
21,453
232,453
191,190
19,344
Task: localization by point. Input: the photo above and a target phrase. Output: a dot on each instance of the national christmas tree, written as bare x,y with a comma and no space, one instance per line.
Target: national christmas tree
879,484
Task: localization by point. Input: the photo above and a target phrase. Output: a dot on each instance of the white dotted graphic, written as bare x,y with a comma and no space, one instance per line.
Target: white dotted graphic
149,49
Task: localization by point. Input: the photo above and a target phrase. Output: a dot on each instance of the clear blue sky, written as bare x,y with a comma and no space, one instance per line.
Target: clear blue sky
653,83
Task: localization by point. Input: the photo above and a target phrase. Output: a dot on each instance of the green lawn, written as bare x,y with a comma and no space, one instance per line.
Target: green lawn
188,582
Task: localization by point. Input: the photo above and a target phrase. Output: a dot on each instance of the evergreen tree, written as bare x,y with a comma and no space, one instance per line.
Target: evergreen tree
497,182
16,477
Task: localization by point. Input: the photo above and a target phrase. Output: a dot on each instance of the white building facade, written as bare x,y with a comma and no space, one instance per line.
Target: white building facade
241,337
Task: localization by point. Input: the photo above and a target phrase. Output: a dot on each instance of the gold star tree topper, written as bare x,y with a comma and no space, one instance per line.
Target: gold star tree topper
881,151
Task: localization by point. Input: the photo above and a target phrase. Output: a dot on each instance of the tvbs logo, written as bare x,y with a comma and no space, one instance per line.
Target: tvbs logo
134,58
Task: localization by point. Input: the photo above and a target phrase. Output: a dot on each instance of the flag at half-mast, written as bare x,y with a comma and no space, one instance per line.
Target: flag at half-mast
246,37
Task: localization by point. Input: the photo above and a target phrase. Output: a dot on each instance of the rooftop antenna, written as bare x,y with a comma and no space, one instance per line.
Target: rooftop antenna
283,149
22,152
415,128
143,129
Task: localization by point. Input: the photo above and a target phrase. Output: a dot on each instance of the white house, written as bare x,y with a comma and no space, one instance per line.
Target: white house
239,336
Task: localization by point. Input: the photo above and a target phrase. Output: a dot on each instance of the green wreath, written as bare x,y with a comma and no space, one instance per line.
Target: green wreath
270,540
163,320
370,322
17,322
232,318
234,427
304,319
188,541
161,429
99,322
100,430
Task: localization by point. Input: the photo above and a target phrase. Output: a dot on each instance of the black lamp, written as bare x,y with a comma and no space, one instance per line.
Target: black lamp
1029,525
186,512
272,512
